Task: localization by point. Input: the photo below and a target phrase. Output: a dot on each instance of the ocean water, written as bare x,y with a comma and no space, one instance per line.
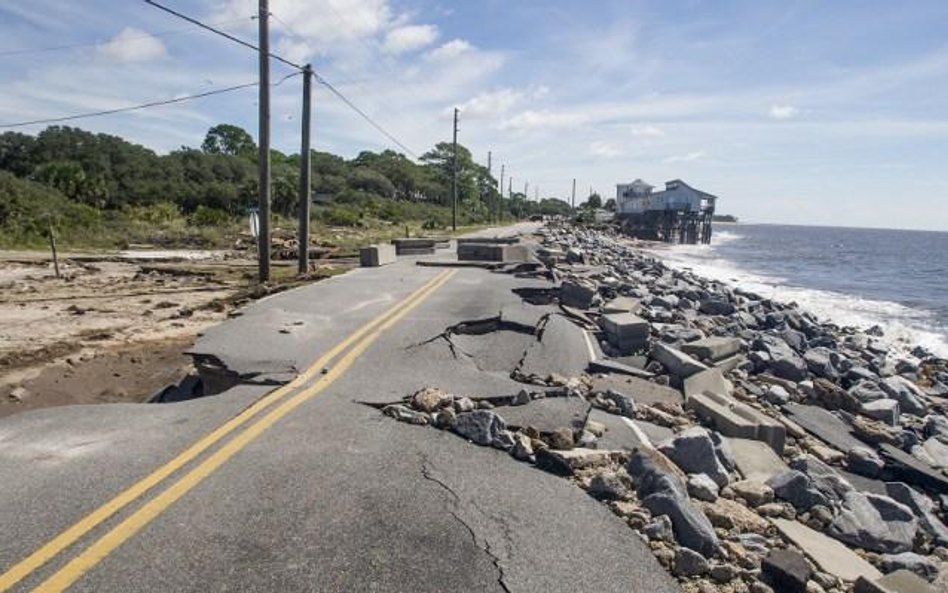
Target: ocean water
856,277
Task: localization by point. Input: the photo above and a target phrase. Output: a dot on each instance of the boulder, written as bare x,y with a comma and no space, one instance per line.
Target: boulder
702,487
716,306
822,362
923,508
484,427
731,515
689,563
609,486
694,452
662,492
565,463
868,390
910,397
578,293
884,410
403,413
873,522
912,562
430,399
797,488
785,363
754,492
786,571
864,461
714,348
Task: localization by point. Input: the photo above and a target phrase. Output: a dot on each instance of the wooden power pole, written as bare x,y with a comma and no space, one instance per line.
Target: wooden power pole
454,176
490,194
263,235
500,193
305,169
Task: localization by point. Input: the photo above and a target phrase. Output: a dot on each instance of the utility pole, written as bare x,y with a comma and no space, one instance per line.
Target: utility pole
263,236
454,176
526,190
490,194
305,169
500,193
574,196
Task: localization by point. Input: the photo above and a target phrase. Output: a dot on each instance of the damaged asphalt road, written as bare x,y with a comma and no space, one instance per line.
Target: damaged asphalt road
335,496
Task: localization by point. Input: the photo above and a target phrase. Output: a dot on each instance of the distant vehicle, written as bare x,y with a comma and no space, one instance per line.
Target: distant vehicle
536,218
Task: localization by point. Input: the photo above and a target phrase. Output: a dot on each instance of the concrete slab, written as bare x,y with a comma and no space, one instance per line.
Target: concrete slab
622,304
824,425
562,350
677,362
755,460
900,581
626,331
714,348
492,253
906,468
377,255
640,390
621,433
735,419
547,414
603,365
830,555
709,381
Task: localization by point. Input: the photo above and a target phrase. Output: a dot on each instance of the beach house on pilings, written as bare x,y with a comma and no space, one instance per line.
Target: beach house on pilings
677,214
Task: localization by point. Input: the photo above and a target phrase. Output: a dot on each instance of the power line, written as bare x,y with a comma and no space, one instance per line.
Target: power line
36,50
222,33
140,106
321,80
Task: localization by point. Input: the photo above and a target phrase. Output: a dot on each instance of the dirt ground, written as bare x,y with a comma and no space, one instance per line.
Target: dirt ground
114,327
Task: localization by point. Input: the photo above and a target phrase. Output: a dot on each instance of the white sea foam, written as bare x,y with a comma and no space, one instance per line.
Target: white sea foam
905,327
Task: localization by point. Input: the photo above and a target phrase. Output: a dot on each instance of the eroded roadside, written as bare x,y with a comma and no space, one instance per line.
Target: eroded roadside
115,327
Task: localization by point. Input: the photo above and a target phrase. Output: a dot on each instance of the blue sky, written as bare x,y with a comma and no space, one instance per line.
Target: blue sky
796,112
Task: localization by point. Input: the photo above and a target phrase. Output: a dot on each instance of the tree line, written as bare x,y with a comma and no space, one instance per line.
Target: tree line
219,179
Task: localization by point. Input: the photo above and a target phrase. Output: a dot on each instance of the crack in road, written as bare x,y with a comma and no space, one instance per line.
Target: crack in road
486,548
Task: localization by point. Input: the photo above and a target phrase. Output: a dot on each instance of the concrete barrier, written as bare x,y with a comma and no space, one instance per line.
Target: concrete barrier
735,419
626,331
479,251
374,256
415,246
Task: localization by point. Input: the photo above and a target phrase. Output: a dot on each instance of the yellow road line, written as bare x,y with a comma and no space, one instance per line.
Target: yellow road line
65,539
105,545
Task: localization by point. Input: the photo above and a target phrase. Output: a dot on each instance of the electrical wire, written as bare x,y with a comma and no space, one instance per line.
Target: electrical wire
36,50
142,105
342,97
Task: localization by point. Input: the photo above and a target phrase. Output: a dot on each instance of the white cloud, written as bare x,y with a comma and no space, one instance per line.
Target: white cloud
132,45
783,111
544,119
604,150
450,50
409,38
647,132
491,103
686,158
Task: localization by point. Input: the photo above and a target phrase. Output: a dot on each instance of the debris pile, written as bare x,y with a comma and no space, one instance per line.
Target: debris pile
752,446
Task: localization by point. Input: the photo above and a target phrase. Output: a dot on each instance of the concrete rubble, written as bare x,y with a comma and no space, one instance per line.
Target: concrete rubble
752,446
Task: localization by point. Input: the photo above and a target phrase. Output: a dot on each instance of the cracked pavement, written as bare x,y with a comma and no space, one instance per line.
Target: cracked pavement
334,497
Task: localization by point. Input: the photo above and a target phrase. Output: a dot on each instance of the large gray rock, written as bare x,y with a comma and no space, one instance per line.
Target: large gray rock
867,390
796,488
784,361
884,410
923,508
484,427
578,293
912,562
694,452
786,571
910,397
677,362
822,362
702,487
662,492
716,306
875,523
864,461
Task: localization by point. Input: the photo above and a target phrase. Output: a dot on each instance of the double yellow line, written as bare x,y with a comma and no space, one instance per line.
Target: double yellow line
86,560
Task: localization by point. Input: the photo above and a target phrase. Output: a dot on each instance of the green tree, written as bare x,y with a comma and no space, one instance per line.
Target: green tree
593,201
230,140
610,205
